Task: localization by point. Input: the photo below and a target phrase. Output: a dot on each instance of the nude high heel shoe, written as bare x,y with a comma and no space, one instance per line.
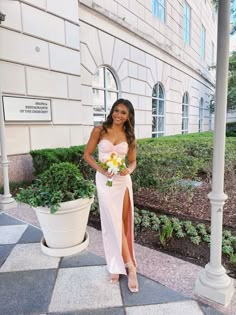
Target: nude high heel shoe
114,278
132,277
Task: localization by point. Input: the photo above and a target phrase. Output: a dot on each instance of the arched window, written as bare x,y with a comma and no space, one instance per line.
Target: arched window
201,115
158,111
185,113
105,93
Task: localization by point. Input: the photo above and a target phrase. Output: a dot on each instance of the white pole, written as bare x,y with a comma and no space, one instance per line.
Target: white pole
213,282
6,200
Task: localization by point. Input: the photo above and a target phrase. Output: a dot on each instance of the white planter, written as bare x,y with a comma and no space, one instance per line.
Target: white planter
66,228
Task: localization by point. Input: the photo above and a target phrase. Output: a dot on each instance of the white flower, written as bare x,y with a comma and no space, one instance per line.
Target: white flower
119,159
113,169
110,164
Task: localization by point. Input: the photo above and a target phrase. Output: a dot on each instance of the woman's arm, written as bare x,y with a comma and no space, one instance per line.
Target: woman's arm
132,161
90,148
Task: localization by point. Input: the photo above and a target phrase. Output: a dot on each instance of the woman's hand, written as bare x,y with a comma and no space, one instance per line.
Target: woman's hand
108,174
105,173
126,171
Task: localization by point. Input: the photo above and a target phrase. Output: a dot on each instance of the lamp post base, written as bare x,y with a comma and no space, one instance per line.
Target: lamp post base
215,284
7,203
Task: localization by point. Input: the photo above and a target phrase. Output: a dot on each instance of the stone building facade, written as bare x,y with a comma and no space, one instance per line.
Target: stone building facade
80,56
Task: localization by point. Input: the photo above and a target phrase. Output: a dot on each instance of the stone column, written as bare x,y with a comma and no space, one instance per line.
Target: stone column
213,283
6,200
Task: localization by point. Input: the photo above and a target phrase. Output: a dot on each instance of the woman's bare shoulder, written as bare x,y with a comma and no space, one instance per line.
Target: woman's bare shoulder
96,132
98,128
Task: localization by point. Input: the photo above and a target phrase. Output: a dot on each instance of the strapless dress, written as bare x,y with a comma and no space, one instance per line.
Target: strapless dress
111,208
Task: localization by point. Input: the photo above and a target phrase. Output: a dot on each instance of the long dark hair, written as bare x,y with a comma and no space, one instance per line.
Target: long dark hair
128,125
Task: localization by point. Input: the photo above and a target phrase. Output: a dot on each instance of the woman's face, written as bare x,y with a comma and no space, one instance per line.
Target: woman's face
120,114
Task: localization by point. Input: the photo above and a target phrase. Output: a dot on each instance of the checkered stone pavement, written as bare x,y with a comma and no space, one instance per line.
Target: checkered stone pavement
33,283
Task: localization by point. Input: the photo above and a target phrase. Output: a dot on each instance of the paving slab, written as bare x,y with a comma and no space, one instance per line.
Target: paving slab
10,234
150,292
179,308
4,252
26,292
8,220
84,258
103,311
31,235
84,288
28,257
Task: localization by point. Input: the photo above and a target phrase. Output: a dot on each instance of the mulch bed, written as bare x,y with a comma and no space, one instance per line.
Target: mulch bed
186,206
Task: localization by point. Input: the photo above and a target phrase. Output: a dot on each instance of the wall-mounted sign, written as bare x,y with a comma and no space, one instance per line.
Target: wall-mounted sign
26,109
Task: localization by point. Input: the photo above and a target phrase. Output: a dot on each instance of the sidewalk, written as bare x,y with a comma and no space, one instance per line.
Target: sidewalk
33,283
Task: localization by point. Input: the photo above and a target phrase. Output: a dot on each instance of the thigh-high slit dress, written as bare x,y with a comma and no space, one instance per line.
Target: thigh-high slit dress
111,209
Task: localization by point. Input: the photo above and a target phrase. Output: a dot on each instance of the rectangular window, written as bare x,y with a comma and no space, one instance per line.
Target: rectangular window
184,118
158,118
201,115
158,9
203,42
186,23
185,113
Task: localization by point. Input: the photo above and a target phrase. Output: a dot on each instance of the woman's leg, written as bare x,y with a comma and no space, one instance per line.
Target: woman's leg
126,249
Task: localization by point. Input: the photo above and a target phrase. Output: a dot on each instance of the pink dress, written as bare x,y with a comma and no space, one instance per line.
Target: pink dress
111,208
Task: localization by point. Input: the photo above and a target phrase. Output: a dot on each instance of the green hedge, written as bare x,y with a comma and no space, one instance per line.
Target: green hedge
231,126
162,162
231,129
231,133
44,158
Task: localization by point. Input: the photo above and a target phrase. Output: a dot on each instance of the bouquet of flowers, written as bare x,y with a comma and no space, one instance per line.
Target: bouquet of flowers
113,164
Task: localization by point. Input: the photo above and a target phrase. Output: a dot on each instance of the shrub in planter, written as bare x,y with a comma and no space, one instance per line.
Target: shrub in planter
61,198
61,182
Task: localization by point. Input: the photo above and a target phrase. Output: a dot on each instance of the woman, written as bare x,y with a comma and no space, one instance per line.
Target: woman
116,135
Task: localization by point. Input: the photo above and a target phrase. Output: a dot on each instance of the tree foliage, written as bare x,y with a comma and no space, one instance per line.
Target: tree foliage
233,13
231,98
